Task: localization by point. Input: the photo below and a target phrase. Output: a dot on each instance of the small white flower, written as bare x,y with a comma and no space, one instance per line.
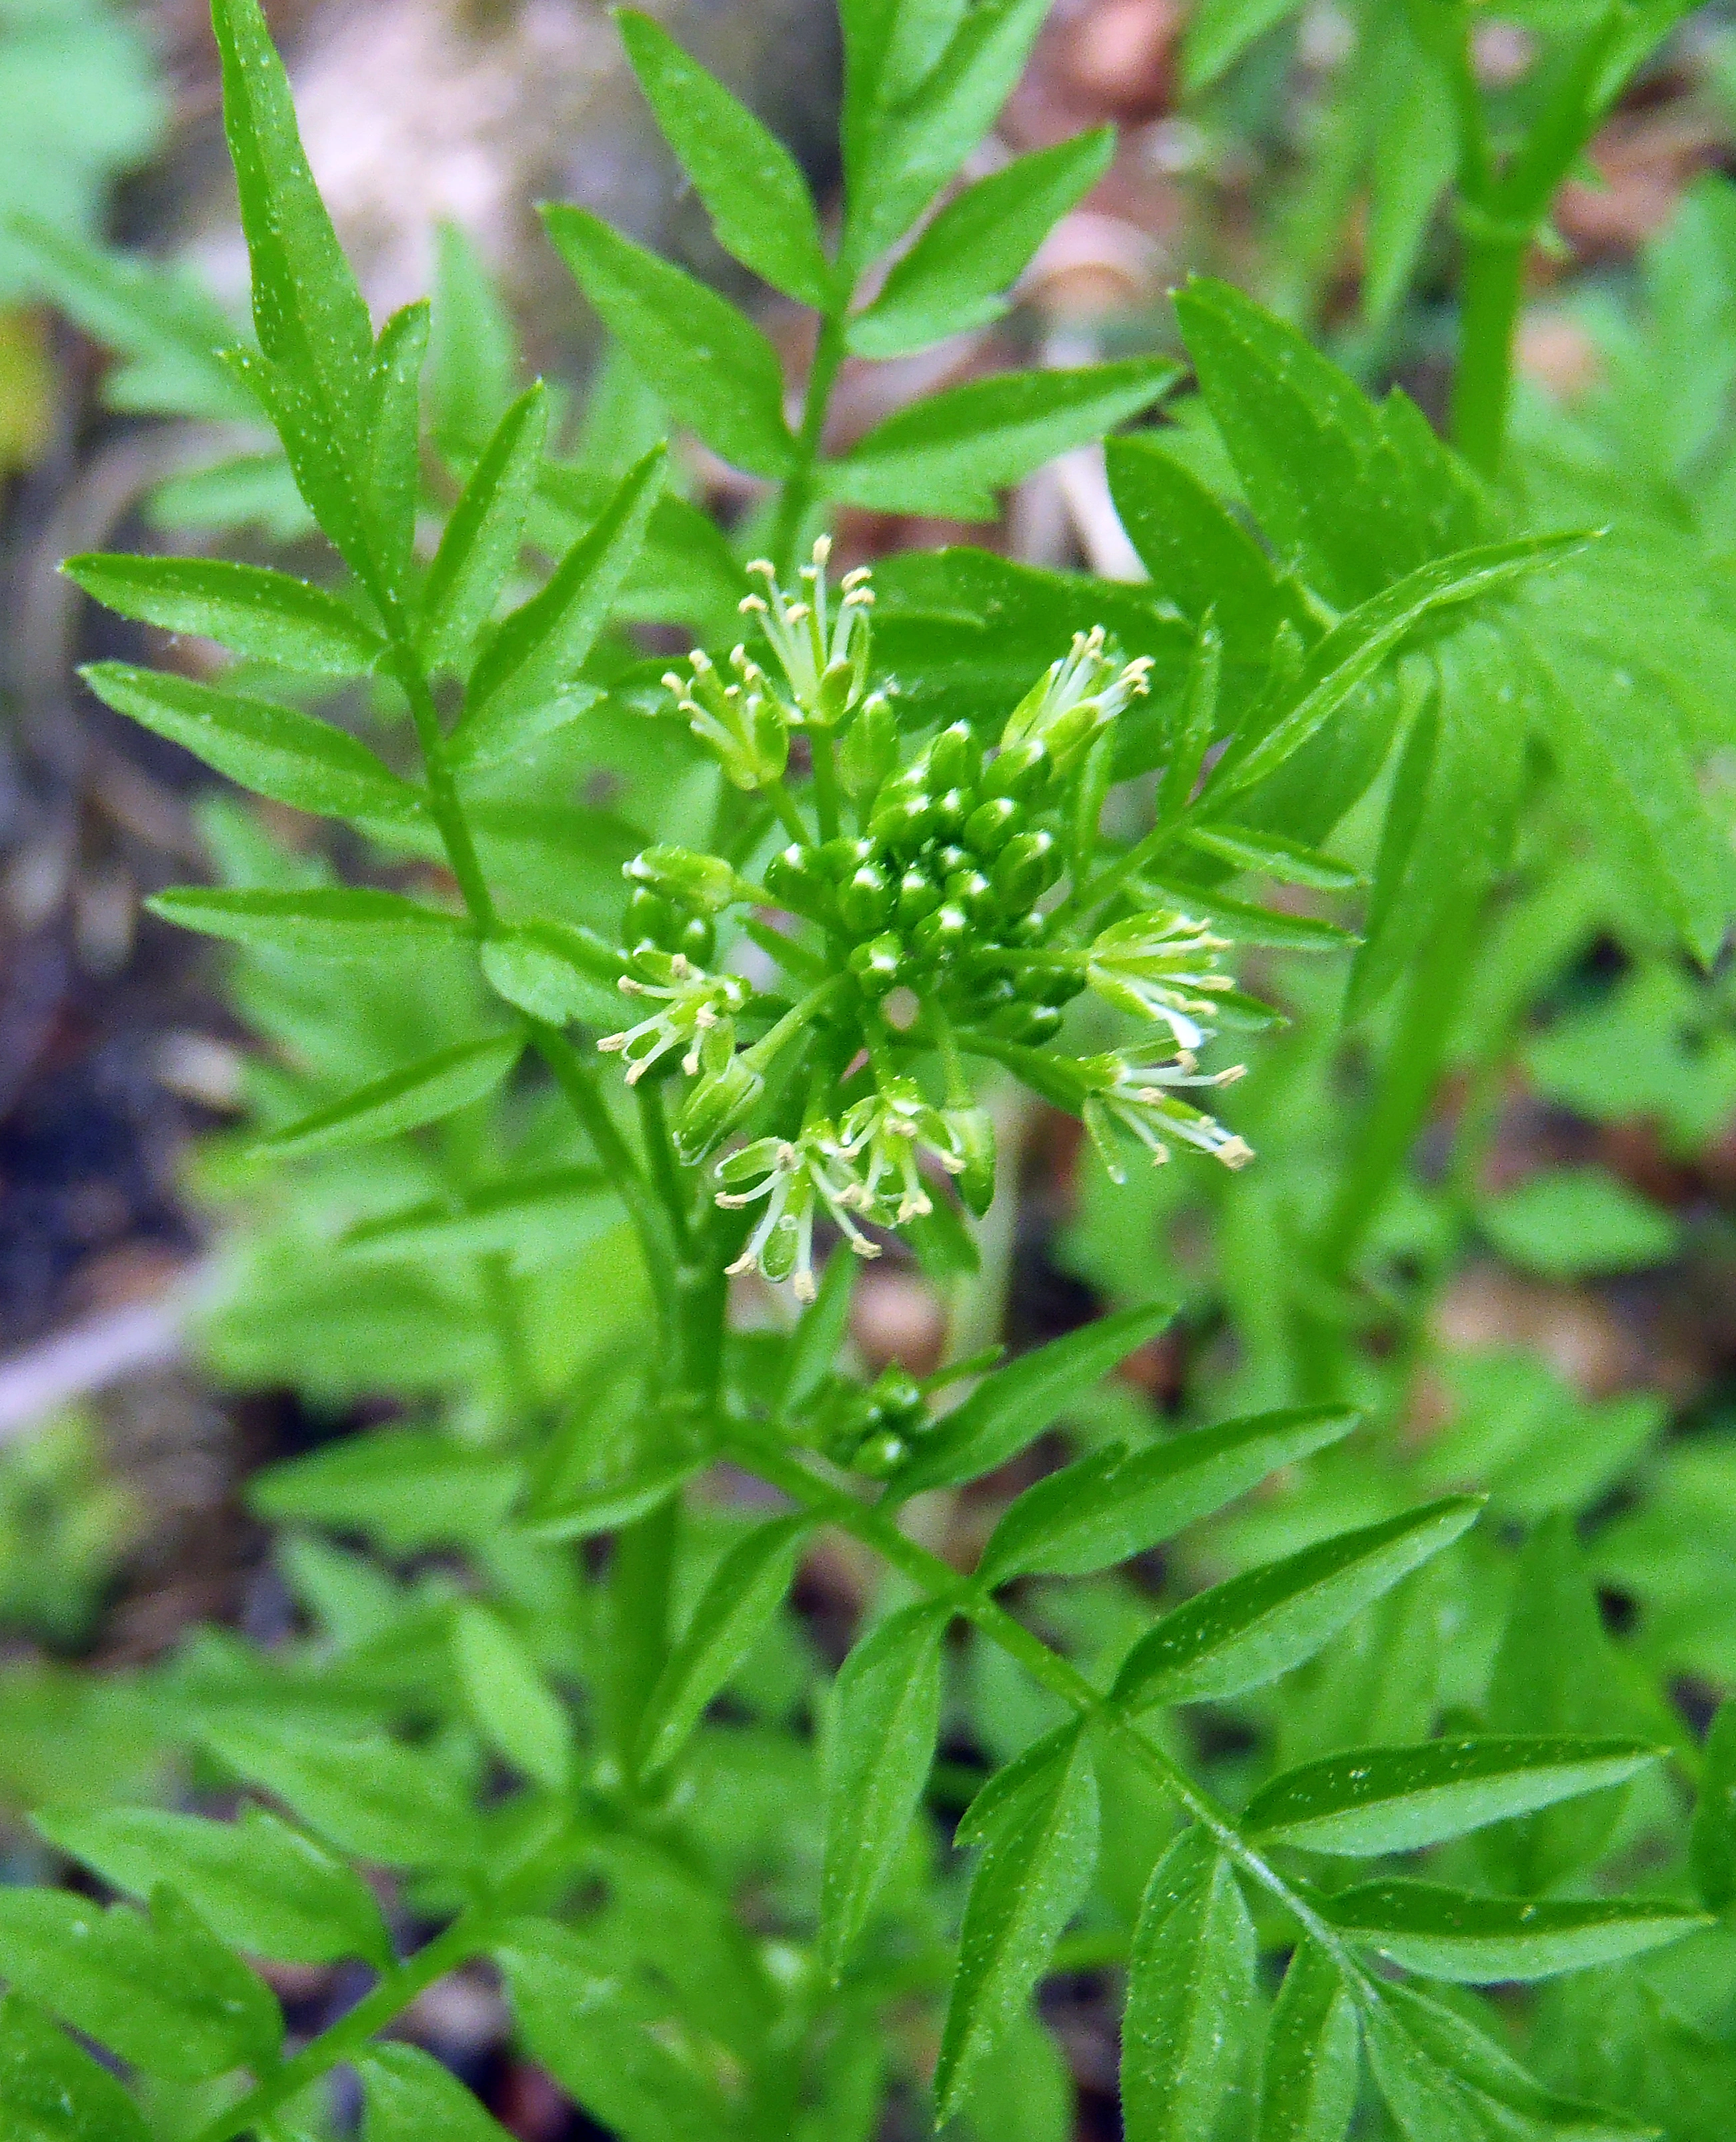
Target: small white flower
695,1005
889,1128
741,721
823,653
1140,1098
796,1177
1079,695
1162,966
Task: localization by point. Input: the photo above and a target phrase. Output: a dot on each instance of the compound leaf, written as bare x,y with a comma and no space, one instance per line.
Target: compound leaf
754,190
1189,1995
732,1615
404,1100
1452,1934
261,1884
270,616
1257,1626
276,751
1037,1865
1111,1505
1009,1409
885,1712
714,369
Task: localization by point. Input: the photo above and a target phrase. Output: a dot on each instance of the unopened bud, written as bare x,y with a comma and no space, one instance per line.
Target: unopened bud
868,751
973,1133
681,875
724,1094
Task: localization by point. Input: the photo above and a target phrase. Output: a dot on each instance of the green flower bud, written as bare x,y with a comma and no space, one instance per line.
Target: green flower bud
880,1454
651,920
944,933
1018,770
949,859
918,895
971,890
954,758
727,1090
992,825
990,993
895,1395
865,901
689,879
1033,1024
1029,930
903,817
697,937
878,964
1026,868
973,1131
838,859
869,751
795,882
951,810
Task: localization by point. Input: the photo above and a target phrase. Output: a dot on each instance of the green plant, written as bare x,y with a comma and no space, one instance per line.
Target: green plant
916,848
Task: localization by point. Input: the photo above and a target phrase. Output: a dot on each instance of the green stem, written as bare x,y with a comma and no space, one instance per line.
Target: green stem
640,1584
626,1175
943,1583
1492,284
826,781
798,491
642,1572
466,1936
508,1331
618,1162
665,1168
443,798
791,818
1113,875
1413,1066
798,1016
1502,213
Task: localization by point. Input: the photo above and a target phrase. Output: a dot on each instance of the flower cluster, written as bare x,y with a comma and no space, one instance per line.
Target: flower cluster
951,917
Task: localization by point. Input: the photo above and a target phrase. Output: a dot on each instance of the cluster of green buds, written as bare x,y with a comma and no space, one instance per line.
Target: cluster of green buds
931,905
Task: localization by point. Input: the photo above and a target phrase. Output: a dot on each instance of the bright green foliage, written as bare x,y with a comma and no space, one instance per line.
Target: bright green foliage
80,104
755,964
